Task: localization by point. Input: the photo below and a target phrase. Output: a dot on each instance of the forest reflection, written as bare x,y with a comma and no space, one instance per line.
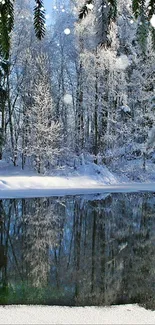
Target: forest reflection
90,250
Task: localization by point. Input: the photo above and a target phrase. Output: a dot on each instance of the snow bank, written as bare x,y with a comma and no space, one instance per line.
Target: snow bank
88,179
124,314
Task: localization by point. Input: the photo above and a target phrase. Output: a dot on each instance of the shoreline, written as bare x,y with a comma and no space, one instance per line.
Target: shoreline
120,314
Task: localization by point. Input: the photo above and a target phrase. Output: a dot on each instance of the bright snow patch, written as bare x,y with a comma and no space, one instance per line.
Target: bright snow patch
86,179
122,314
68,99
90,6
67,31
152,21
125,109
122,62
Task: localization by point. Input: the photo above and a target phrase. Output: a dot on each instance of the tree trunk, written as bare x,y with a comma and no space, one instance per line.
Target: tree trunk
96,112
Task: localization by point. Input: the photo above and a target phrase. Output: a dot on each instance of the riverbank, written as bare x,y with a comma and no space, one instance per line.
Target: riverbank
123,314
88,178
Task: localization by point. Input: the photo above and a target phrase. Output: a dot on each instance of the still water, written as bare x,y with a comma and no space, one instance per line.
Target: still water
88,250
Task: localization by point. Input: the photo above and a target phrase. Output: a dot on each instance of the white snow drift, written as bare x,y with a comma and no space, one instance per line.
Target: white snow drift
127,314
87,179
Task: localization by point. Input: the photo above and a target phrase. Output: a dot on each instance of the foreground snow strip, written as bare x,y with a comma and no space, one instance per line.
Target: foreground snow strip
39,186
124,314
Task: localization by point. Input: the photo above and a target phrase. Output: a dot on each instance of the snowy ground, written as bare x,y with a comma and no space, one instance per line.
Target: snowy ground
88,179
124,314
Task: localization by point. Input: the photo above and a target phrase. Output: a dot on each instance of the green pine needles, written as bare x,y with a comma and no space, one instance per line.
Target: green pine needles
6,25
39,19
136,8
85,9
142,10
113,9
7,22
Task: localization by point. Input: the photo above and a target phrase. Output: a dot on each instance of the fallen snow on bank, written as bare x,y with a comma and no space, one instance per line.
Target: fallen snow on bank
87,179
124,314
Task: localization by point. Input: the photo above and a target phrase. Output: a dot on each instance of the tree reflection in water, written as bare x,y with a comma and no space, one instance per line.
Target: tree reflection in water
78,250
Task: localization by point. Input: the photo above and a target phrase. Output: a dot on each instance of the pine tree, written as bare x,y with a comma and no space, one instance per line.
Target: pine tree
7,23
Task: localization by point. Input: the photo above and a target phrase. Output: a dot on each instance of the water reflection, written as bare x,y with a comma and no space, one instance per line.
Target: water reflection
78,250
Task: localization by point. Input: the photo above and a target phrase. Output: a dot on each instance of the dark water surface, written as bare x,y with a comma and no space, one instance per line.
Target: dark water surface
88,250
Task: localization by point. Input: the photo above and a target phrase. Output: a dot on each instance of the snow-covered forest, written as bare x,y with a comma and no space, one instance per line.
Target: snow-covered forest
85,91
77,146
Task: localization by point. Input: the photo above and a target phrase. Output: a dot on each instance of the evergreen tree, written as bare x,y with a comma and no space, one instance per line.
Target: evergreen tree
7,23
